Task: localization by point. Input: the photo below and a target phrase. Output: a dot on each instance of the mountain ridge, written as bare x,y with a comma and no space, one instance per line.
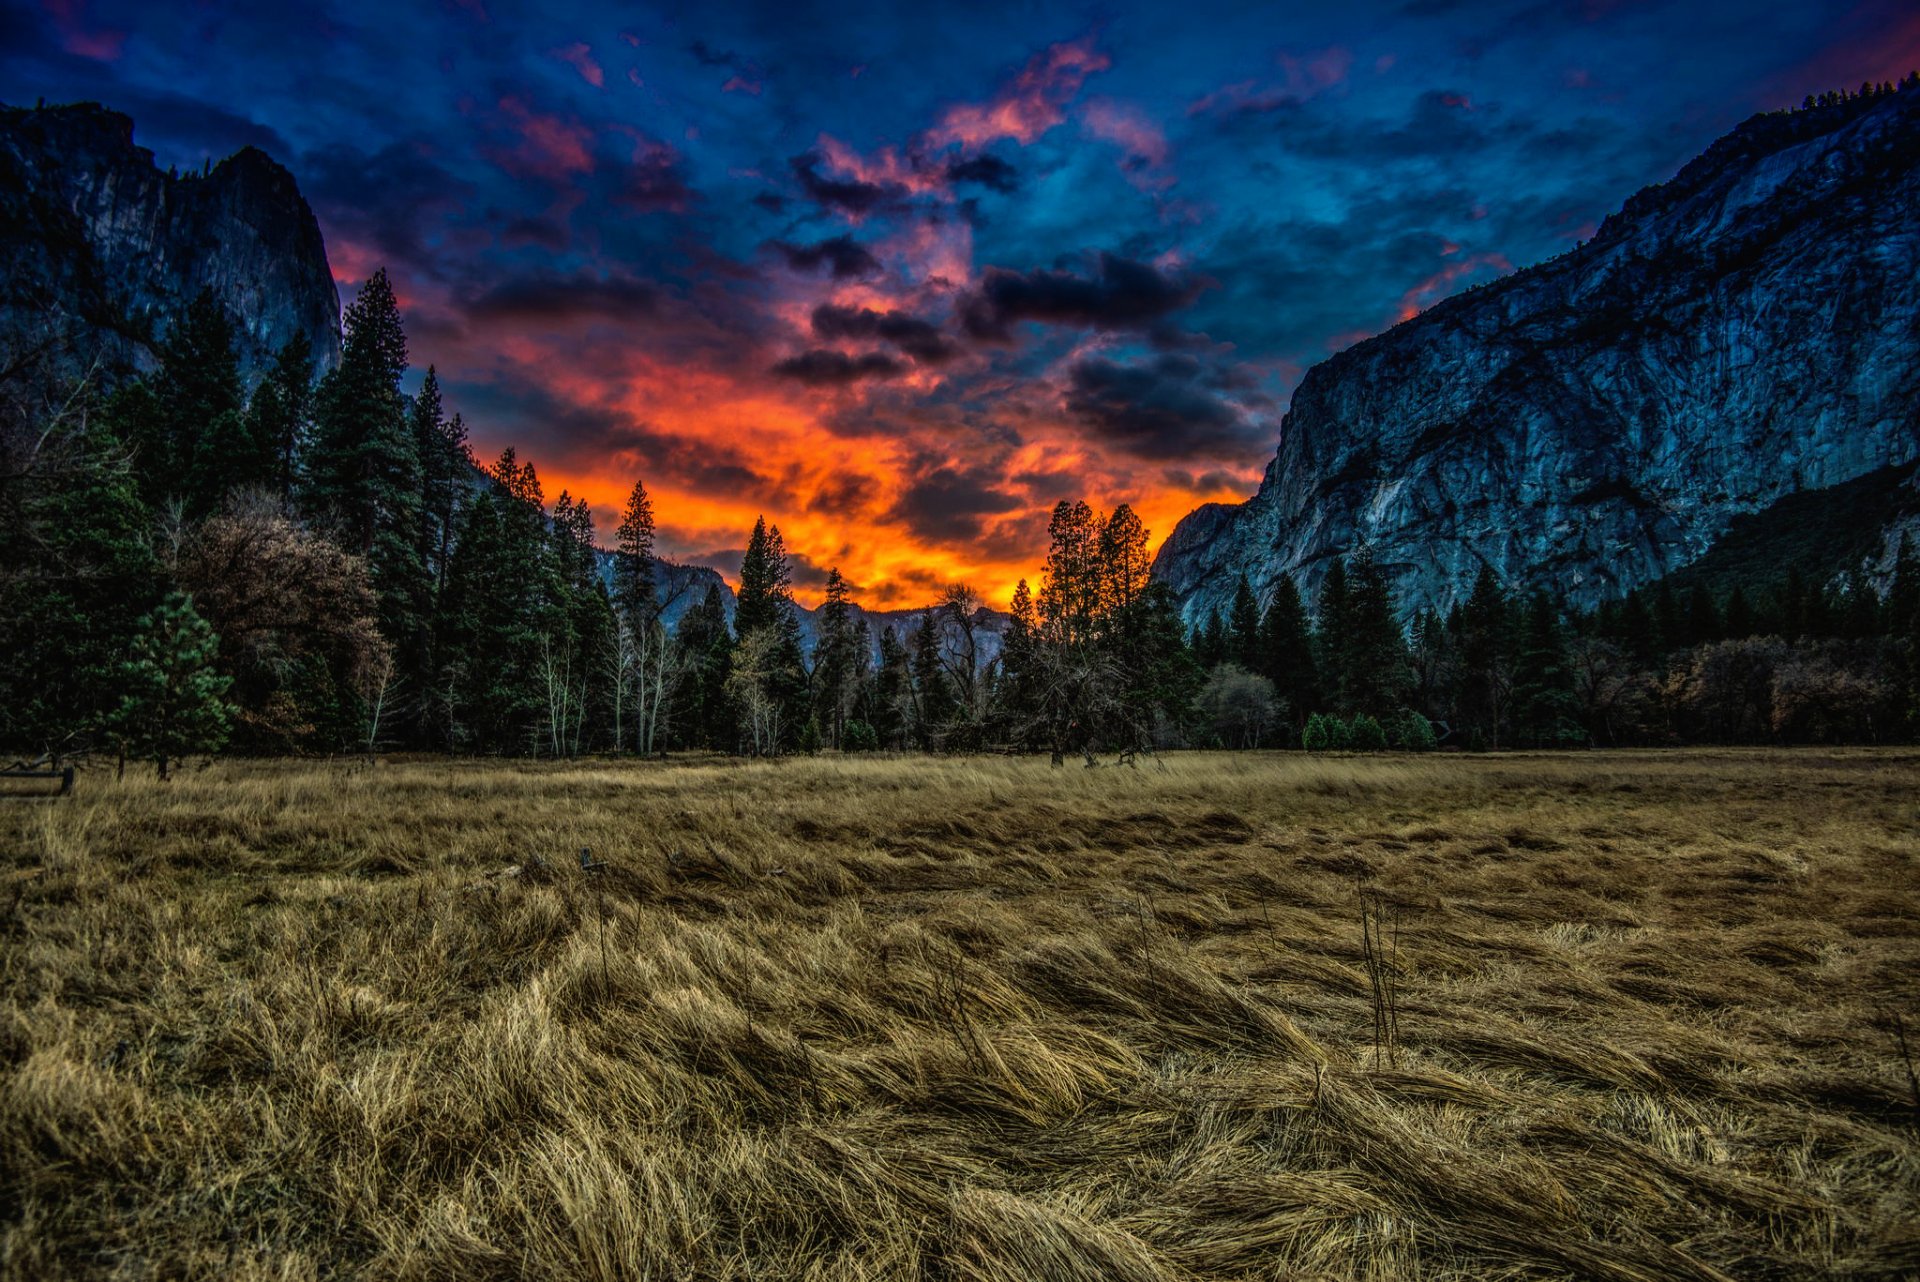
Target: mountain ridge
100,248
1598,419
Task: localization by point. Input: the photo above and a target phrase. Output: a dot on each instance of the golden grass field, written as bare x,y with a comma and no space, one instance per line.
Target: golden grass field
966,1019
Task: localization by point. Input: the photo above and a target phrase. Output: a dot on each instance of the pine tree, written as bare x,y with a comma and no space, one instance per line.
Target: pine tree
365,471
933,702
893,692
1210,645
172,700
280,416
765,581
1545,711
1332,634
1286,652
633,588
1485,647
1378,678
80,569
836,660
1243,627
703,637
1740,623
196,387
1123,560
1070,593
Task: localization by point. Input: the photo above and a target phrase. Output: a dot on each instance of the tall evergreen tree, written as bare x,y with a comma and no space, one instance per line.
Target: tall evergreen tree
280,416
365,472
1485,647
1243,627
633,588
706,712
1286,652
837,660
1377,678
1545,711
1332,635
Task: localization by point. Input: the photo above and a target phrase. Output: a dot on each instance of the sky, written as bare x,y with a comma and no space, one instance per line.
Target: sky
902,276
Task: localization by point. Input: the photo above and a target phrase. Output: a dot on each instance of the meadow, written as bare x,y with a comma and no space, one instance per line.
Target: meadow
1630,1016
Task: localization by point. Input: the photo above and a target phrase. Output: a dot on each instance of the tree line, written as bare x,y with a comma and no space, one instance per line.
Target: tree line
322,566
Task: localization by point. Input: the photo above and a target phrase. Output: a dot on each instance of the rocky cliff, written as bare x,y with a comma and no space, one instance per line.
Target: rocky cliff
1746,331
99,248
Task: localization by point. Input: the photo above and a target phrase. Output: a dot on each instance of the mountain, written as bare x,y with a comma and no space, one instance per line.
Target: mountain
1743,333
679,588
99,248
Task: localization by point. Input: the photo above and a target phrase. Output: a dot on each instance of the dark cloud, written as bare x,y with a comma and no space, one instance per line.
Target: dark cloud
920,339
850,195
1121,294
707,56
823,367
771,201
950,502
843,256
1166,408
562,298
653,179
392,199
987,171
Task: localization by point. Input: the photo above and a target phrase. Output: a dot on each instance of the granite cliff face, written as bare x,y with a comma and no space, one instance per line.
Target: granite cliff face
99,249
1748,330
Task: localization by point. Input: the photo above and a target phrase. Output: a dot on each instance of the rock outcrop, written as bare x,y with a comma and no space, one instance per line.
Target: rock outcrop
100,249
1748,330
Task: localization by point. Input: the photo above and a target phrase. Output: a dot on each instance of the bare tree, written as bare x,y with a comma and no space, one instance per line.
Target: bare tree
755,665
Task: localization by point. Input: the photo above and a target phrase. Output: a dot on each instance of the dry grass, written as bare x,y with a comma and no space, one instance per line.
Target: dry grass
965,1019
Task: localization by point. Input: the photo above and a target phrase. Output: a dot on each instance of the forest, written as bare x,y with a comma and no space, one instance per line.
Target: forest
324,567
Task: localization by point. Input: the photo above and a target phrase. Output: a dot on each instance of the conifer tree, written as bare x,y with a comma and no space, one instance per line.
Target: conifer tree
933,702
1286,652
172,701
1243,627
1545,711
703,637
1332,634
196,389
1123,560
836,660
1070,592
1210,642
280,416
1485,647
633,588
77,569
1377,676
365,472
893,692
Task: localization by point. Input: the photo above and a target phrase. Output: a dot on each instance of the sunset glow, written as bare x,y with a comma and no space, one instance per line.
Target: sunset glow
902,282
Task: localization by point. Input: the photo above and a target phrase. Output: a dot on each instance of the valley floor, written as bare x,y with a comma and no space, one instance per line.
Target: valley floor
967,1018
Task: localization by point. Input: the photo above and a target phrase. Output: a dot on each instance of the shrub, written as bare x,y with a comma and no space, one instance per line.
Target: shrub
1315,738
858,736
1408,730
1366,735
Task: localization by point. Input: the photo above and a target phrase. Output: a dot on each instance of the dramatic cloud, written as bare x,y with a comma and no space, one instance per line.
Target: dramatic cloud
1162,409
920,339
824,367
1120,294
559,299
844,257
986,171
